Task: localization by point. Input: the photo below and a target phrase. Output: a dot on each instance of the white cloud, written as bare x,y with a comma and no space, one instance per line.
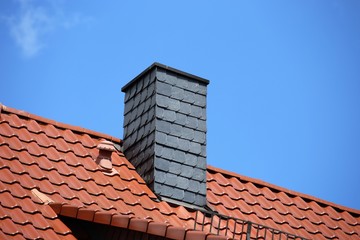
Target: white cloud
30,26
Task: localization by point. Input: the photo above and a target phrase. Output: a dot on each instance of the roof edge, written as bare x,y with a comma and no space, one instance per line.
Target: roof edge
279,188
165,67
134,223
61,125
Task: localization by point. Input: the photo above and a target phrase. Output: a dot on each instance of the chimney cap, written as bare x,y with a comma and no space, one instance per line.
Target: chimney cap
159,65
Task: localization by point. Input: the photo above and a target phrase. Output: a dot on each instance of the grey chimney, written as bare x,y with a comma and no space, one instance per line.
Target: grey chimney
165,132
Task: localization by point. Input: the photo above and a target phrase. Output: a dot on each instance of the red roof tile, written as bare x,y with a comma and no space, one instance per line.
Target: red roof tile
289,210
58,160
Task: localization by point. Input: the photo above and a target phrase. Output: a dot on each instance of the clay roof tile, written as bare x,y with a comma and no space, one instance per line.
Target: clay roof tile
58,160
34,127
69,136
51,131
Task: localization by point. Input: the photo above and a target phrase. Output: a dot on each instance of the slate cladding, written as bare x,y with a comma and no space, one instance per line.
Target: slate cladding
165,132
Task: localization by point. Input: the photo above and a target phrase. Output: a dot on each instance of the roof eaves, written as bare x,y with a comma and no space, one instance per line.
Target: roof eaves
132,223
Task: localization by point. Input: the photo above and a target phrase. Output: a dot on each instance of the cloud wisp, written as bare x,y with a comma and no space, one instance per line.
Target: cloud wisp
33,23
28,28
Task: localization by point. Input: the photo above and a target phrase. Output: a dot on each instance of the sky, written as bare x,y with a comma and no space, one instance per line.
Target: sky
284,93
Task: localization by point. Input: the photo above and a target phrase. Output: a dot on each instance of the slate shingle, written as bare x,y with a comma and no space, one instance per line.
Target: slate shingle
178,106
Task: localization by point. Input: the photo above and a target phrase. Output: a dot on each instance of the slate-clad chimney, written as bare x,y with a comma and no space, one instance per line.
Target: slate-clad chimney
165,132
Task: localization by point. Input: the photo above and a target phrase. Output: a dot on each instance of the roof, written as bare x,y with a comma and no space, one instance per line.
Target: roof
47,171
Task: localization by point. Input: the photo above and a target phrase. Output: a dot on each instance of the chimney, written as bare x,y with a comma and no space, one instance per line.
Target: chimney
165,132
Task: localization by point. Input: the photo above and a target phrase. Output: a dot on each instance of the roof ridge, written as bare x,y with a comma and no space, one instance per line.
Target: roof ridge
283,189
28,115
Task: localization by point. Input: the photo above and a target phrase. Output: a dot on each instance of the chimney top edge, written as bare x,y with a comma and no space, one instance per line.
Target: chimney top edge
162,66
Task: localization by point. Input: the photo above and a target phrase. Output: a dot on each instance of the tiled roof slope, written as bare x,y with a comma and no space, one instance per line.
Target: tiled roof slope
47,170
260,202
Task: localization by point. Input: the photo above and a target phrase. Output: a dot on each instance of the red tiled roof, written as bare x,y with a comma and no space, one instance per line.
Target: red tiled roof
48,169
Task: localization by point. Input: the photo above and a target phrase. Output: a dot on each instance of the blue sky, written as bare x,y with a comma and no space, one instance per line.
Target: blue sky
284,93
